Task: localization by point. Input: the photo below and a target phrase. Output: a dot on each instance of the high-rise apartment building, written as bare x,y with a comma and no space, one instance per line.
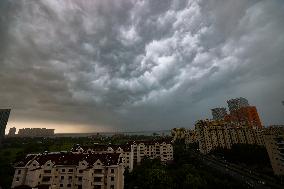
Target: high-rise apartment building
218,134
237,103
4,117
219,113
274,143
246,116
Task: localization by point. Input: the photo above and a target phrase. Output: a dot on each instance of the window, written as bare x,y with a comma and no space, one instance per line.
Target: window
97,179
17,179
62,178
80,187
46,179
70,177
69,185
70,170
112,178
61,185
112,170
63,170
79,178
80,171
47,171
19,172
97,187
111,186
48,164
98,171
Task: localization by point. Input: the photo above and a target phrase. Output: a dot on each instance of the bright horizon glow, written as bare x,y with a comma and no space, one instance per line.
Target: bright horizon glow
59,127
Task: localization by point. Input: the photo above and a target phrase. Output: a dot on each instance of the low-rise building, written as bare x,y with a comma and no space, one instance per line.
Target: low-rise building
69,170
124,150
161,149
274,143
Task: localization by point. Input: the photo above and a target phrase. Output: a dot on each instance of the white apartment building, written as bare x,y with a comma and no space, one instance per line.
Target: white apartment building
124,150
162,149
217,134
69,170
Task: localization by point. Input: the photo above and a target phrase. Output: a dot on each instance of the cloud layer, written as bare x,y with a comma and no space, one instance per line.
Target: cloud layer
139,65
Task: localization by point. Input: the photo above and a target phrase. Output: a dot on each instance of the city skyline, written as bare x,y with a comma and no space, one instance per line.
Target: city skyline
95,66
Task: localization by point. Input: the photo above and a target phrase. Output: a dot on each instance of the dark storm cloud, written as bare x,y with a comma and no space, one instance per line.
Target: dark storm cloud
137,65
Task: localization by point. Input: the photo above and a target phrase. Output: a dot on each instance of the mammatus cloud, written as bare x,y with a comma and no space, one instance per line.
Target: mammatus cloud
139,65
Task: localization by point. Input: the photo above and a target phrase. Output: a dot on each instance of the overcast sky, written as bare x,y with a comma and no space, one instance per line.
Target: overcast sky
133,65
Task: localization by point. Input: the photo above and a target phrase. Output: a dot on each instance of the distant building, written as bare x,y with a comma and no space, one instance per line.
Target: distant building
218,134
36,132
274,143
4,117
219,113
69,170
237,103
12,131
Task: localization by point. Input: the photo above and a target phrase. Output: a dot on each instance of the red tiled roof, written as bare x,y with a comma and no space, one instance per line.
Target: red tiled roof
150,142
103,147
74,159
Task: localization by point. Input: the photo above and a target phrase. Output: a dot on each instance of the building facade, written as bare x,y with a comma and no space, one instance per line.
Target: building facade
124,150
12,132
245,116
69,170
35,132
188,135
219,113
237,103
161,149
4,117
274,143
218,134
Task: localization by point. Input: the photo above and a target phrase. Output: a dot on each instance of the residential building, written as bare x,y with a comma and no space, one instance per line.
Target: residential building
161,149
4,117
247,116
133,152
188,135
36,132
124,150
69,170
219,134
237,103
12,132
274,143
219,113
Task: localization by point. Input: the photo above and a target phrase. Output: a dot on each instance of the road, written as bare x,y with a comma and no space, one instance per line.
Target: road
243,175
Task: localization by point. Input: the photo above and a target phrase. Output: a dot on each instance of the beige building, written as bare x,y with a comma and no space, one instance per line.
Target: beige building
217,134
188,135
162,149
69,170
274,143
124,150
